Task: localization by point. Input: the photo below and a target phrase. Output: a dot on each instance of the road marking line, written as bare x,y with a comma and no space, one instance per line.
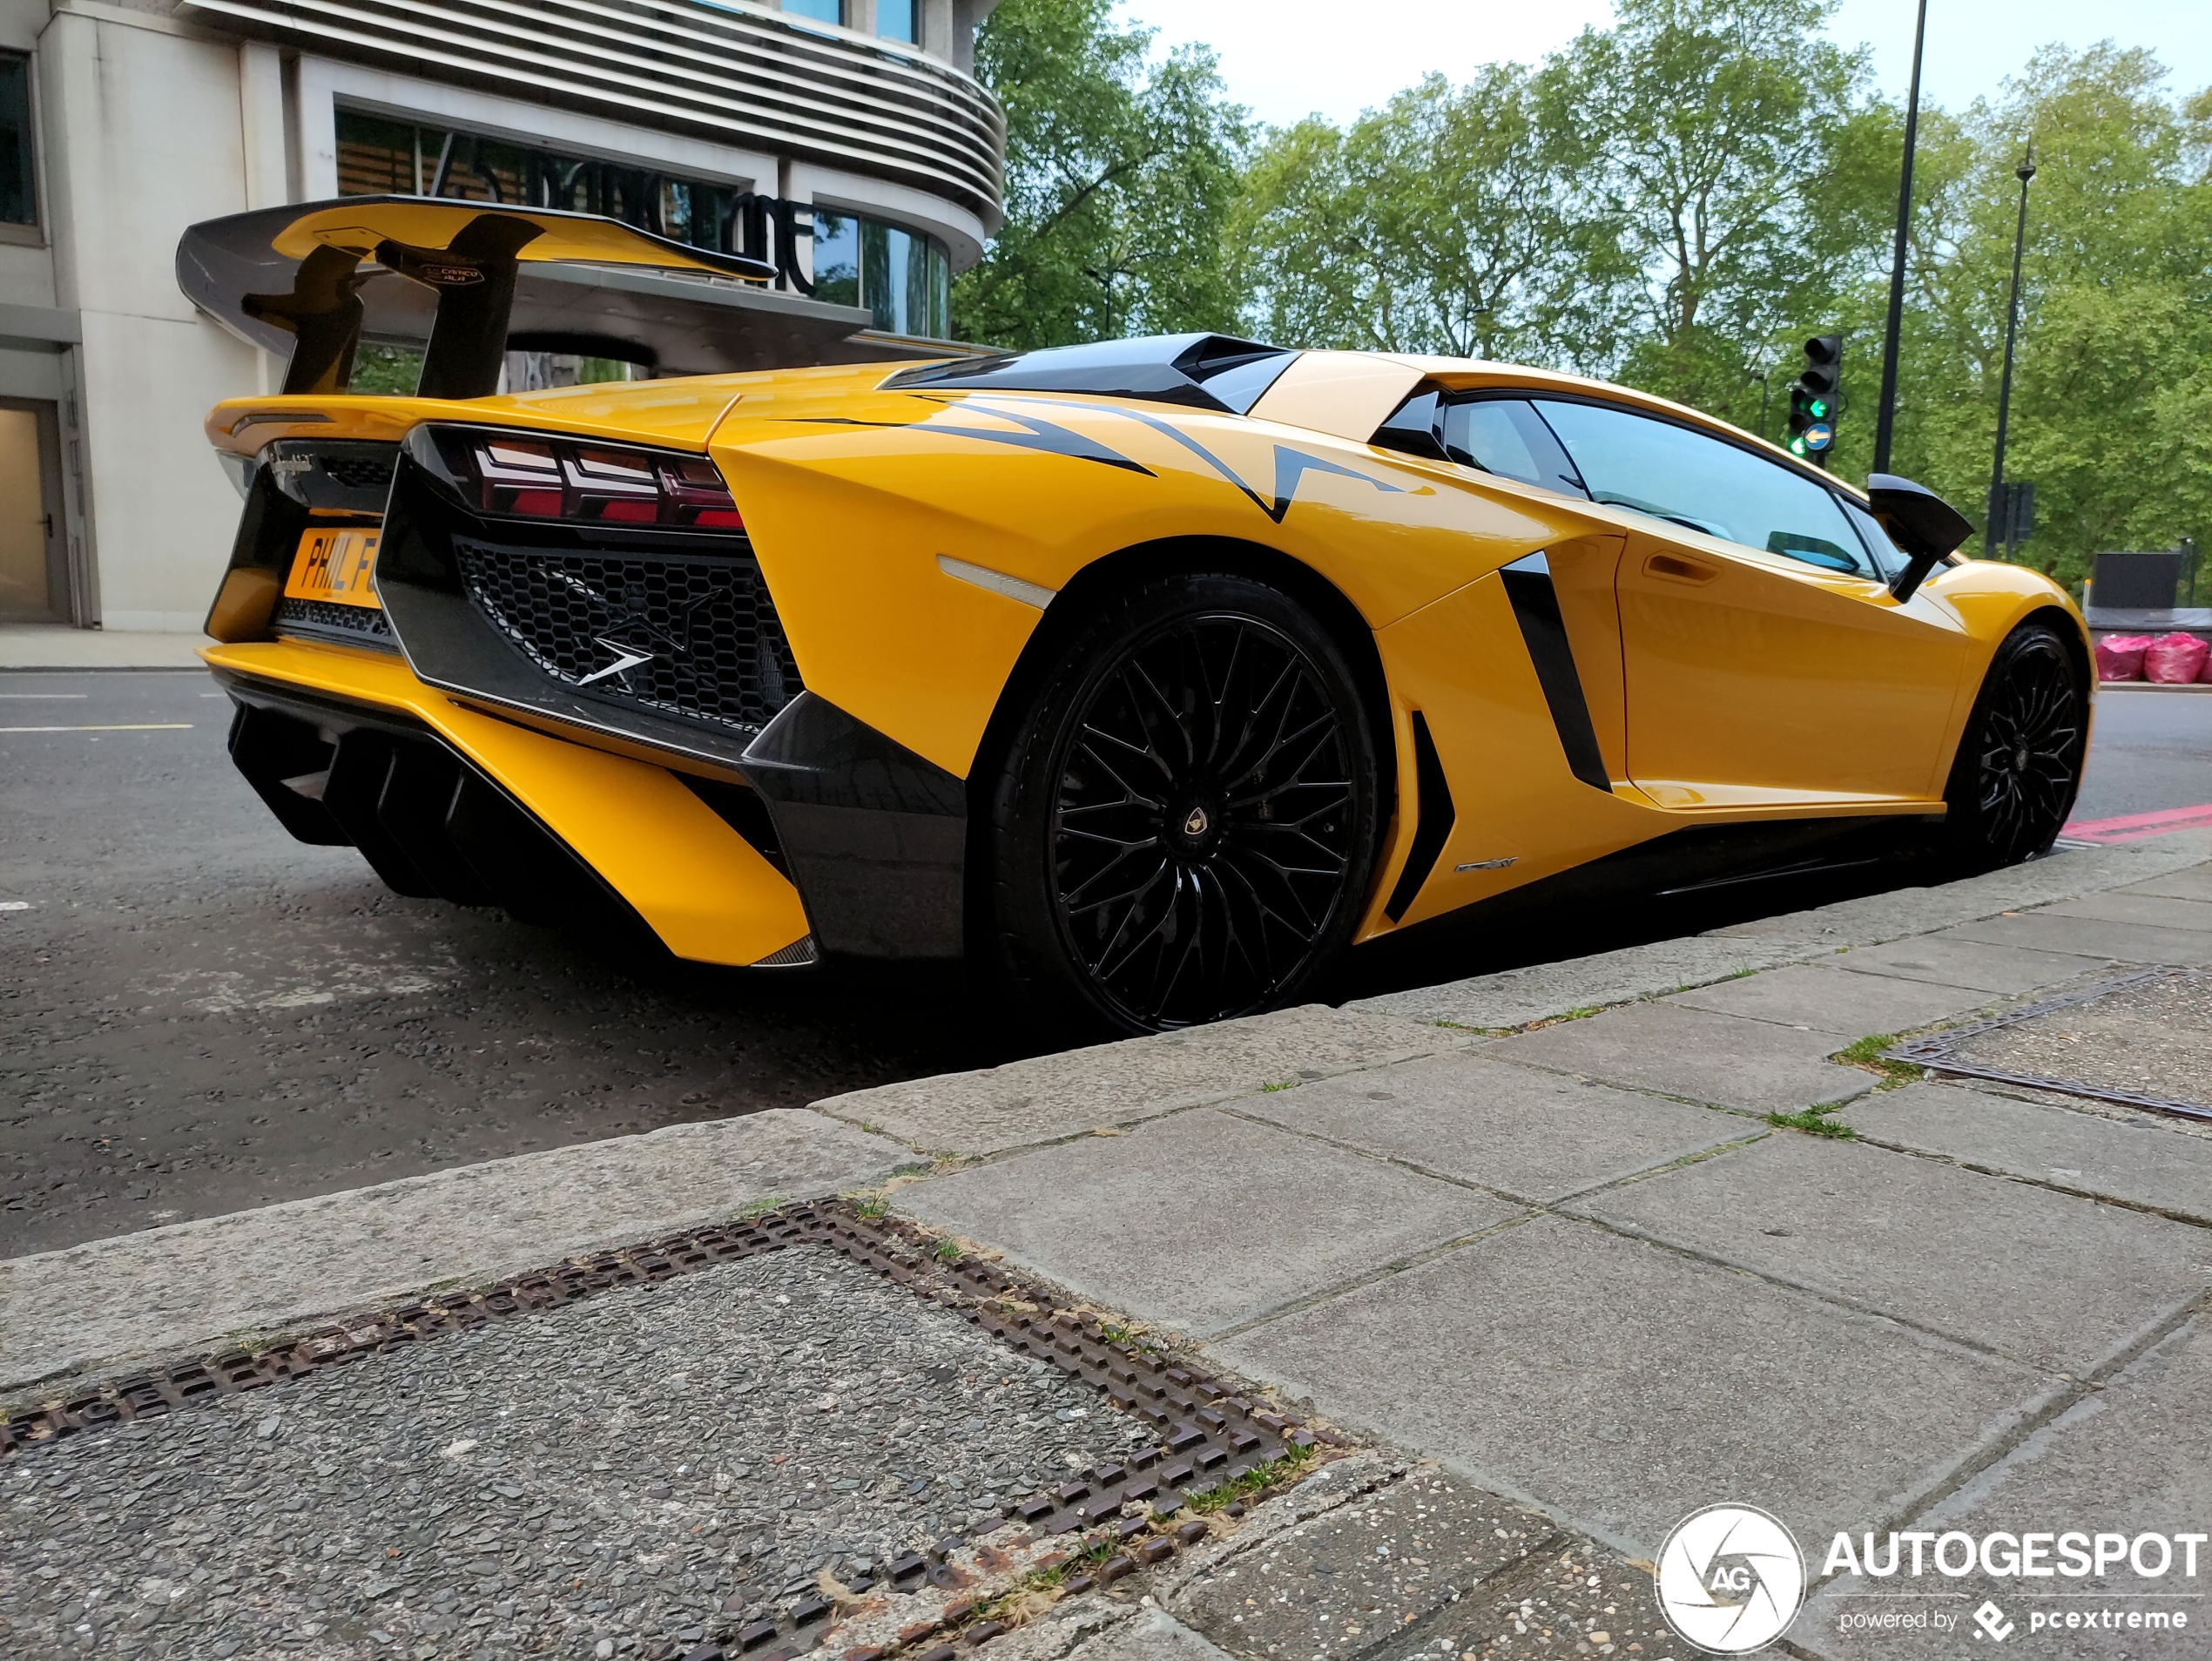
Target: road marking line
143,727
2135,827
45,694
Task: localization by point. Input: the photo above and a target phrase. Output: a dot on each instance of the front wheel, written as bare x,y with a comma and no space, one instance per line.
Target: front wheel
2020,761
1186,828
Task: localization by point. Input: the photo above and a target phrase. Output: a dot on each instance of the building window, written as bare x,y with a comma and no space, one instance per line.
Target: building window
819,10
902,276
19,189
894,20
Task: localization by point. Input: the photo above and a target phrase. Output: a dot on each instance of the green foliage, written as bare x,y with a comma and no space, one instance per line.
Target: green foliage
2113,377
385,371
1120,171
1675,202
1868,1052
1444,222
1718,138
1814,1121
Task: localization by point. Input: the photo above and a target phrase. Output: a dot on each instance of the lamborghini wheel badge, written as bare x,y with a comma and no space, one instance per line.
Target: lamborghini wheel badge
1204,820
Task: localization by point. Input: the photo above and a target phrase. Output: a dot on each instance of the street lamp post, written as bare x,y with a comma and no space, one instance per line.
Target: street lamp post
2025,171
1886,414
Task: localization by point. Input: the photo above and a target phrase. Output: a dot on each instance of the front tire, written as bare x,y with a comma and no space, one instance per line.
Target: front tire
1185,829
2018,767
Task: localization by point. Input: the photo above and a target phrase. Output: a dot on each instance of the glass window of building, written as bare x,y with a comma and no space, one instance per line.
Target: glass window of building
837,259
894,20
18,188
906,280
903,277
819,10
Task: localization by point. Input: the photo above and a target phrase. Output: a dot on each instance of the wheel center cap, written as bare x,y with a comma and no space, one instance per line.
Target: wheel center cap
2019,759
1195,826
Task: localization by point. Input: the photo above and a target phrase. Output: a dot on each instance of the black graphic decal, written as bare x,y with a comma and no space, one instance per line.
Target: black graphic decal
1037,434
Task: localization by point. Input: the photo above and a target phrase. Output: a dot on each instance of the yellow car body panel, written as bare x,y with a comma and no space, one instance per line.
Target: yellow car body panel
701,887
1723,684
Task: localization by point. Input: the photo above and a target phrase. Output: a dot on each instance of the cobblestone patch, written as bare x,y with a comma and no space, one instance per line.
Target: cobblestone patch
625,1476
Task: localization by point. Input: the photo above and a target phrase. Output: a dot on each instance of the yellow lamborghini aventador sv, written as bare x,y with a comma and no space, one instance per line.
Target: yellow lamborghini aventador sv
1154,674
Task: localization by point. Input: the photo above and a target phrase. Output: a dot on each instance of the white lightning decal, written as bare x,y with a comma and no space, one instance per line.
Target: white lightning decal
625,657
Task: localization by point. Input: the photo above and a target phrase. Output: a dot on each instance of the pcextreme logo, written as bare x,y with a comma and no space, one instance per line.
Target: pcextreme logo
1730,1579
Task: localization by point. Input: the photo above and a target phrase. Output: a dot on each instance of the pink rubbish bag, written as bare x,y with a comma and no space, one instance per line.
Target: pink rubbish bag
2120,657
2173,659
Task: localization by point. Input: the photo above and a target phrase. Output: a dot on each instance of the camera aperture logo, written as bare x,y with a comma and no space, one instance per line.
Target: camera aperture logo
1730,1579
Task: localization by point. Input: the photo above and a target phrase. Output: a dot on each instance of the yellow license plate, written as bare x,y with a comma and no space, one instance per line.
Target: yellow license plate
334,565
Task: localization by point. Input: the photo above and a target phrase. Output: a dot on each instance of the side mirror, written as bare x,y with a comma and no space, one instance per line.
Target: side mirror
1923,525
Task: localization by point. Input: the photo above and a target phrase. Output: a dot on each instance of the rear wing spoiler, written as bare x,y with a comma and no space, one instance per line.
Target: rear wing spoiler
470,282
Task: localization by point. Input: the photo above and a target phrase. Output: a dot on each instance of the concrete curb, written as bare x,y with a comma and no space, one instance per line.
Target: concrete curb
99,1307
1545,991
1111,1086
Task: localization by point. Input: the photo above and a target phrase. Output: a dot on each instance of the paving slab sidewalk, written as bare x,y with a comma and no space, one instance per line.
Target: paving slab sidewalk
1685,1302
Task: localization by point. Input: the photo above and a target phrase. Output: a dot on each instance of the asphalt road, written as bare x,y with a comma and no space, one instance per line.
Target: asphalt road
199,1015
2148,751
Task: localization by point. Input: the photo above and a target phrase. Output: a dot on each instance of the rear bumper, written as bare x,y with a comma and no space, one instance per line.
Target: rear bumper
346,746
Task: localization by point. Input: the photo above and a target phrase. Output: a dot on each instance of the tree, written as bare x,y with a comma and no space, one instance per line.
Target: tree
2113,386
1726,142
1444,222
1120,171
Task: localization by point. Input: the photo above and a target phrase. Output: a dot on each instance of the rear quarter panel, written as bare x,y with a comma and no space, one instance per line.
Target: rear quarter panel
852,500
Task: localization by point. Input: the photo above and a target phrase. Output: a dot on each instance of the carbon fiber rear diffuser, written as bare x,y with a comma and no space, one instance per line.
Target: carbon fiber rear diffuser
1937,1052
1208,1433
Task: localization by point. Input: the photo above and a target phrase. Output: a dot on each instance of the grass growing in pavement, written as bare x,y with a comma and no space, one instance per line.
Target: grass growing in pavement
948,1252
1867,1054
1814,1121
872,1206
1294,1459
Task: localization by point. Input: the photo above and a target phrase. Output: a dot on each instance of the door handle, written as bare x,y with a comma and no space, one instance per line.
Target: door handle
1676,568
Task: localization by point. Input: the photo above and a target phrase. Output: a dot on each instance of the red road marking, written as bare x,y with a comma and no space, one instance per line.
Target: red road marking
2135,827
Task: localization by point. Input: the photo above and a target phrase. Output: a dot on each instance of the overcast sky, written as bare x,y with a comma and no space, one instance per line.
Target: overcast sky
1287,58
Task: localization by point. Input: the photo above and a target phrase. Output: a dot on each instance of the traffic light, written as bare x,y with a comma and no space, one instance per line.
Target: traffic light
1812,399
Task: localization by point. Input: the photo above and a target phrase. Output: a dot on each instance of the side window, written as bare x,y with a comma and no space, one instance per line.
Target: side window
1505,436
1887,554
18,197
1688,478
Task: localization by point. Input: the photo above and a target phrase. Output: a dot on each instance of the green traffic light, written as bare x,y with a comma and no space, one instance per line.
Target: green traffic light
1819,408
1796,447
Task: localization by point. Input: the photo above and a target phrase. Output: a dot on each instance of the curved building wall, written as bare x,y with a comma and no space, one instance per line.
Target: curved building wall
880,154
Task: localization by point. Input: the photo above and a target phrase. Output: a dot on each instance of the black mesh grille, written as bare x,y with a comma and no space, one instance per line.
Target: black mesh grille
710,642
321,615
359,472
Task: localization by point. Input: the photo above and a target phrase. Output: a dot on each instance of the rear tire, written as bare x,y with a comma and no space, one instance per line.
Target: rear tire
1184,830
2018,767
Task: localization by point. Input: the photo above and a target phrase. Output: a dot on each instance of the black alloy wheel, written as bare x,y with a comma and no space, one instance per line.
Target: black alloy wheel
1191,823
2019,767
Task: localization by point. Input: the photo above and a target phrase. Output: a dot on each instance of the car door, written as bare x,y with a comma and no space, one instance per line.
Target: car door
1764,659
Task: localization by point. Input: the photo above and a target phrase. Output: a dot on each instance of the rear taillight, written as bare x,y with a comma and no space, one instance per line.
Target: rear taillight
561,478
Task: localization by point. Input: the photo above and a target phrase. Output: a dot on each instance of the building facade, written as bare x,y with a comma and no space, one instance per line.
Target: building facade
846,141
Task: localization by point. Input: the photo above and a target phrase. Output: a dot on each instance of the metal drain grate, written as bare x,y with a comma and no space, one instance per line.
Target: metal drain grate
1207,1433
1939,1052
